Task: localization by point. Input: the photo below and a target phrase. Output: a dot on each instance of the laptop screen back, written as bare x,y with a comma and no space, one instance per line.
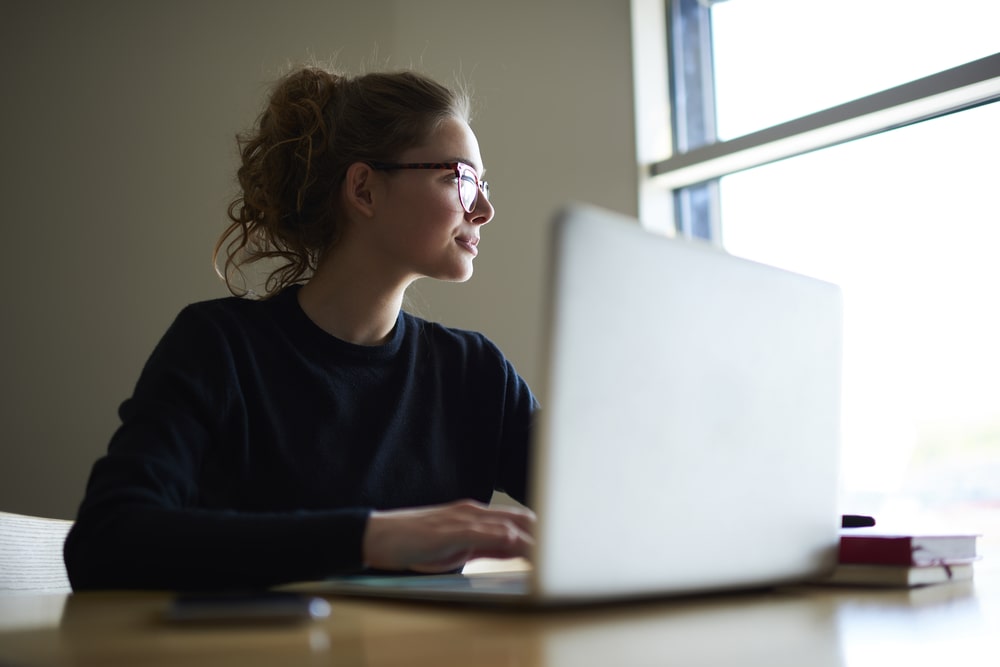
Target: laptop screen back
690,424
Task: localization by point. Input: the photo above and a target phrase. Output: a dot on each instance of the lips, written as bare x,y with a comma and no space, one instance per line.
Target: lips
469,243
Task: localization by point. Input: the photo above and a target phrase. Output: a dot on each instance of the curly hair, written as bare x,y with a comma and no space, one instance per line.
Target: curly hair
315,125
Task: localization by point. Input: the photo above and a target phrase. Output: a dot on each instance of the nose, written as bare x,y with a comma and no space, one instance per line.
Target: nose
483,211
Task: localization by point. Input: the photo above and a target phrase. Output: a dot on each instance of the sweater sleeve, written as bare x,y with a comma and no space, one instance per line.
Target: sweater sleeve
520,411
141,523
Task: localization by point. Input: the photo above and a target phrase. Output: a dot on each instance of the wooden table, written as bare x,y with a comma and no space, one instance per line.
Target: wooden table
809,626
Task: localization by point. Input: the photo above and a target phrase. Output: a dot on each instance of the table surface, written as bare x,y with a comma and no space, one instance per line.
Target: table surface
805,625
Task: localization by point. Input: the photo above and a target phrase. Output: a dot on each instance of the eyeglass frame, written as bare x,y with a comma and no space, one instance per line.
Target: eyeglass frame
460,169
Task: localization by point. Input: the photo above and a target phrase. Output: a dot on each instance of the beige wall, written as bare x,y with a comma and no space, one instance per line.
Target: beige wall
118,160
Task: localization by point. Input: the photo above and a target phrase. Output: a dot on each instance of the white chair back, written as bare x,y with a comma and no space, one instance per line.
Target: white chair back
31,554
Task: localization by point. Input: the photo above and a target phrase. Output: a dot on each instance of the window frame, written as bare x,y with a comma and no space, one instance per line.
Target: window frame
697,160
692,98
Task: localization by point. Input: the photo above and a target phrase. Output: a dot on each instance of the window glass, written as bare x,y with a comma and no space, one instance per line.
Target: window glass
776,60
908,223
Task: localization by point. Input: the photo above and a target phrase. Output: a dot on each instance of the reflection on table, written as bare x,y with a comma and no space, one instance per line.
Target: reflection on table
788,626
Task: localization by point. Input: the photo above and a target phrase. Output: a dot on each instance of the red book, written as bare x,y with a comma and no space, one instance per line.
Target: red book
913,550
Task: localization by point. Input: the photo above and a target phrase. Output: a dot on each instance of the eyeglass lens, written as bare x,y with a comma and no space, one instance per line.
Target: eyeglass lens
469,187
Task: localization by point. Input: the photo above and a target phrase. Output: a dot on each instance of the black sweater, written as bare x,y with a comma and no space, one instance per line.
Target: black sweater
255,445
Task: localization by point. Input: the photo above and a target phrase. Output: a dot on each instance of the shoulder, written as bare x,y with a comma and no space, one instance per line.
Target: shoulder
223,308
231,313
473,362
205,319
212,327
443,337
469,355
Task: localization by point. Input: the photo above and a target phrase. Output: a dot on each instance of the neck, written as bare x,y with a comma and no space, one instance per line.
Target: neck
352,304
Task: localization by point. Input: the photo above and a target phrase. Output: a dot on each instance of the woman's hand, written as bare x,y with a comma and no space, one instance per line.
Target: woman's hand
444,537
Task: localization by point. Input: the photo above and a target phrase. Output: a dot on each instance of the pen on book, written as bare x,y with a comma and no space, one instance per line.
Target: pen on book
856,521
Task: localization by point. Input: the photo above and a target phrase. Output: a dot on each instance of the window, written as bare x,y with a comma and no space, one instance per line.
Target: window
855,142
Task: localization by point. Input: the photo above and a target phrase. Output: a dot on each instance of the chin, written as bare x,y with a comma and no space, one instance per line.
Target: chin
459,276
459,279
454,270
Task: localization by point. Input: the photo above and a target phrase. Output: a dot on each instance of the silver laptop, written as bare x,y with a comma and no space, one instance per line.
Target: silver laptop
689,436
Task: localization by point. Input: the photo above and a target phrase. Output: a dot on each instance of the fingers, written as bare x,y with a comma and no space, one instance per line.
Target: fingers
523,518
444,537
475,512
487,532
487,539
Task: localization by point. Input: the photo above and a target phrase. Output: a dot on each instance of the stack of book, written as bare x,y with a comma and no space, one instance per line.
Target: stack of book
868,558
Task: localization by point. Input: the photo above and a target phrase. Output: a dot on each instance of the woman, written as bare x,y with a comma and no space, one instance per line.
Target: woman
321,429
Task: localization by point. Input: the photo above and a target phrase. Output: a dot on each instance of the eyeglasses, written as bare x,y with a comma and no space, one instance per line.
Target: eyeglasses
469,185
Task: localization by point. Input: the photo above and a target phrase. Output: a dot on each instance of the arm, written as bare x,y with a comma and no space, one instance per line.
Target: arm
520,412
146,546
128,537
147,521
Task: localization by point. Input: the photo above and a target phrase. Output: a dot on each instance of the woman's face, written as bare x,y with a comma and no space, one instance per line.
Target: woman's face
422,226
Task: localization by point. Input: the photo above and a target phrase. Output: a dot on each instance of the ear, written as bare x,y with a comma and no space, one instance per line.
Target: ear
357,191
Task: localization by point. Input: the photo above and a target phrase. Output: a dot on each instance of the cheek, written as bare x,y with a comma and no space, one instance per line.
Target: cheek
444,200
426,199
421,231
437,211
424,218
